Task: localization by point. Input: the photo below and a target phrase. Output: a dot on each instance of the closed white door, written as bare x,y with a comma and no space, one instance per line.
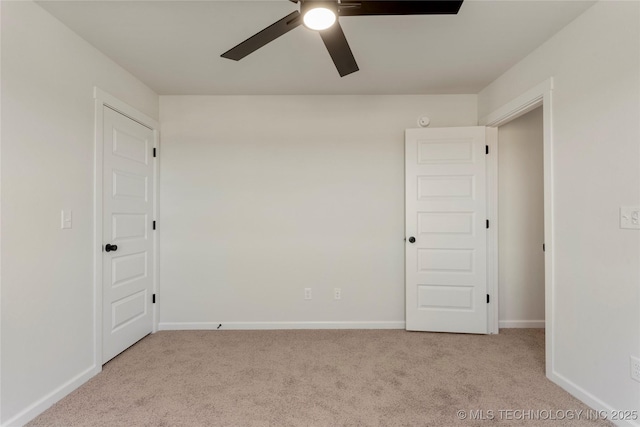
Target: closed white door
127,232
446,230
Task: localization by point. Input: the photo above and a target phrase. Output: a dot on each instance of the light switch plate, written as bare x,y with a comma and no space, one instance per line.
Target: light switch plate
635,368
630,217
66,219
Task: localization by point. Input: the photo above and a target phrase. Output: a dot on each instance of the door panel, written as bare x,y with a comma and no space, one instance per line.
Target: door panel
446,213
128,213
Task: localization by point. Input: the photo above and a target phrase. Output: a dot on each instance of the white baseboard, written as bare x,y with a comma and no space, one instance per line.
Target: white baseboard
592,401
48,400
178,326
521,324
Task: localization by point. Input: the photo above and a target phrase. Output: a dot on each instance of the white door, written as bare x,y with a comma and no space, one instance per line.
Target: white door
446,230
127,232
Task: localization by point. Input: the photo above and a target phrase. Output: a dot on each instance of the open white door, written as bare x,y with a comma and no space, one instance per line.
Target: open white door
446,230
127,240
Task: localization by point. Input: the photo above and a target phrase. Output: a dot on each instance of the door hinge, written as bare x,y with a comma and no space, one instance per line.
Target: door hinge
543,248
154,225
487,223
488,298
486,149
154,152
153,299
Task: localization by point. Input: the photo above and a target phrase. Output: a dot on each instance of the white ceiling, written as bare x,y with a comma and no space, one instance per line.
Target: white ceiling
175,46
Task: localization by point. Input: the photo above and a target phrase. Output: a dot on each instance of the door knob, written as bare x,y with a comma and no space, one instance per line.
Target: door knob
109,247
412,239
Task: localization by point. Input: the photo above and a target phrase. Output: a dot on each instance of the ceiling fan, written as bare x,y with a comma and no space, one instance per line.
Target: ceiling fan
322,16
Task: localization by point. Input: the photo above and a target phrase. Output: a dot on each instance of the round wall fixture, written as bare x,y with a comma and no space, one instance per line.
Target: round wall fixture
424,121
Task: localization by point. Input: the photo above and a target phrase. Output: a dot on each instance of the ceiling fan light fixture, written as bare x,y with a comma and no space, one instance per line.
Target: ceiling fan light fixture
324,16
319,18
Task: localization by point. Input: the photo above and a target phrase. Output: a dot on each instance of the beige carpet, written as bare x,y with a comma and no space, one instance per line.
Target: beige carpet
322,378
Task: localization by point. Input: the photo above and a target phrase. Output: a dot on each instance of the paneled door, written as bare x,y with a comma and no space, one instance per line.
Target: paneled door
446,236
127,238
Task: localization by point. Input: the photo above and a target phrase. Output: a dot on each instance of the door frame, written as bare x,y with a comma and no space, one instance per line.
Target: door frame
102,100
540,95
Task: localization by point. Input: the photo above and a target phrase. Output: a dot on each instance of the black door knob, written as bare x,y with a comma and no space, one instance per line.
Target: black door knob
109,247
412,239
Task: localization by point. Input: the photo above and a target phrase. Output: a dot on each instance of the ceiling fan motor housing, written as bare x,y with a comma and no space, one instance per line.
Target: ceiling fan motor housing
306,5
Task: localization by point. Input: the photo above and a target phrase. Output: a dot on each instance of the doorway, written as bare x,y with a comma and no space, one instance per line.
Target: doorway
538,96
125,211
521,225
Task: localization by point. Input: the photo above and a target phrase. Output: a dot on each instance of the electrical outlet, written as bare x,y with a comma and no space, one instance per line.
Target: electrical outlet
630,217
635,368
337,293
307,293
66,219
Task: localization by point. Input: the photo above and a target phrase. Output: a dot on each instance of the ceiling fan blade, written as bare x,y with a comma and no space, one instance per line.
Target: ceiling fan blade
339,49
265,36
400,7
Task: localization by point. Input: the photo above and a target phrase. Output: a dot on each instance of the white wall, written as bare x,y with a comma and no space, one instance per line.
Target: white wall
595,62
263,196
521,222
48,74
